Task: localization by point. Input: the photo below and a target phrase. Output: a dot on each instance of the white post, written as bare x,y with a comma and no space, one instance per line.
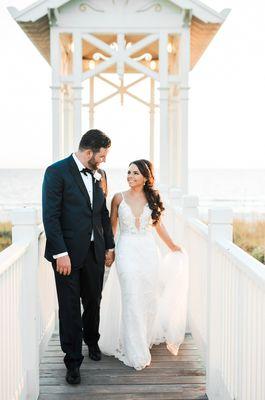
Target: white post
77,88
121,47
174,145
56,94
164,125
189,209
175,196
220,226
91,102
184,67
190,206
175,201
67,121
25,229
152,119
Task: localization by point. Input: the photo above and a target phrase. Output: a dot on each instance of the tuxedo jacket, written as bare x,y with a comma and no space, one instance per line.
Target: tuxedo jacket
69,217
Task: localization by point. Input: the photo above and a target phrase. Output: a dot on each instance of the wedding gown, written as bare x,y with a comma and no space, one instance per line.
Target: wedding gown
144,299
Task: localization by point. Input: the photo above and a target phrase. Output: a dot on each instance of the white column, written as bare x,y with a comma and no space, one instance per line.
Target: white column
220,226
174,145
121,47
190,209
56,95
25,229
164,125
152,120
67,121
184,67
77,89
91,102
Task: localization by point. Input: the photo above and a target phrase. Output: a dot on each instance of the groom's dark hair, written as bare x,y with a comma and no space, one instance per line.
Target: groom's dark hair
94,139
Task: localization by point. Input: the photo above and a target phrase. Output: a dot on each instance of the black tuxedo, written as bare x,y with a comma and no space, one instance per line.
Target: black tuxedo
69,218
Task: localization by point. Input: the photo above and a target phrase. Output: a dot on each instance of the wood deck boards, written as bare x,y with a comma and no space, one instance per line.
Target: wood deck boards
168,377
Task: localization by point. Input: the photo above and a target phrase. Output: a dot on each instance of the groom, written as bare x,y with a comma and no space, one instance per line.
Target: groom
79,244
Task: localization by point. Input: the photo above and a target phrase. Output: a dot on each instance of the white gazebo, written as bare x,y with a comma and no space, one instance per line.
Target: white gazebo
162,40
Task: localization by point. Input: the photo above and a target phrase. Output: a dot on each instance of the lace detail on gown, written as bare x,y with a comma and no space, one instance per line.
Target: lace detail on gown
136,308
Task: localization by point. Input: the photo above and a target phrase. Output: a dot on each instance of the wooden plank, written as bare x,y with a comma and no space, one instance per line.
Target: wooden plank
87,379
126,396
106,359
105,389
100,365
177,371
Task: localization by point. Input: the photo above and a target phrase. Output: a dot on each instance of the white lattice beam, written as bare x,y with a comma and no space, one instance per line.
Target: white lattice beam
141,68
100,67
141,44
100,44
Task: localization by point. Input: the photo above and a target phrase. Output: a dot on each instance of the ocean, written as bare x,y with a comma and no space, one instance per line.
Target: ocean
241,189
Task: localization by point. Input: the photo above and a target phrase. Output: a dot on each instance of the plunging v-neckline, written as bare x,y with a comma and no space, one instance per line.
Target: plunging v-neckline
130,208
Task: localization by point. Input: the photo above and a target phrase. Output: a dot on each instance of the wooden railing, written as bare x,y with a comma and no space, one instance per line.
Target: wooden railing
27,308
226,301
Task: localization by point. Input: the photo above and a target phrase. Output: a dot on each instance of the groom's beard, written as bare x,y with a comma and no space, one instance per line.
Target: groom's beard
92,164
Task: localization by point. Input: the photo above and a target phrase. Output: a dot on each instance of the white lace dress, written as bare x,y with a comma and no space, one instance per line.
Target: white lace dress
137,308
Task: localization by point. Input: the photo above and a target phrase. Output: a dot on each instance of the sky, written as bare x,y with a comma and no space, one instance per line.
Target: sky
226,111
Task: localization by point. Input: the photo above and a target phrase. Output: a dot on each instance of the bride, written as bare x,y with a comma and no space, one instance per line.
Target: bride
144,298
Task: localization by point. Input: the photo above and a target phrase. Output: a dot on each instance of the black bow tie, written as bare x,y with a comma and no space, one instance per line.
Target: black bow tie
86,171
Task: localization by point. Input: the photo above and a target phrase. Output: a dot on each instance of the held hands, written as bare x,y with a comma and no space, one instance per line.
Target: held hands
63,265
109,258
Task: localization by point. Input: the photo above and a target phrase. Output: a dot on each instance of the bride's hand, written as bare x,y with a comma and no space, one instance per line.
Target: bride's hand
175,248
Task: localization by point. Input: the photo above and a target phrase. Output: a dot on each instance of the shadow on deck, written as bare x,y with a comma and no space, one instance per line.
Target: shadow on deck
169,377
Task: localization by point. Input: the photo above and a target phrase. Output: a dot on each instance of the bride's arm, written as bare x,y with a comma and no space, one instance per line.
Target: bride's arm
163,234
115,202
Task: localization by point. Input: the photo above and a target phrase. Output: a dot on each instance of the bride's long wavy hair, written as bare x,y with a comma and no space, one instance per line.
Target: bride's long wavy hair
152,195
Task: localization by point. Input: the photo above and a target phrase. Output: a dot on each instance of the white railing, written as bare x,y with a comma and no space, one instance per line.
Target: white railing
226,302
48,305
27,308
237,329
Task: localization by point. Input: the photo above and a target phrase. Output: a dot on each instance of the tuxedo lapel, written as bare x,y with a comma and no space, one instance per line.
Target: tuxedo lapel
78,179
95,193
98,195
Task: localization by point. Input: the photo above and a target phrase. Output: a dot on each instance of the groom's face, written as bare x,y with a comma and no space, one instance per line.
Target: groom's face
95,159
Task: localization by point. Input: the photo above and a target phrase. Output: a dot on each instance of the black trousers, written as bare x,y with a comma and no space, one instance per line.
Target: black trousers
85,283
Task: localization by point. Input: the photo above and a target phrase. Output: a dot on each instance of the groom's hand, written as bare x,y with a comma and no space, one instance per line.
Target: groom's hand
109,258
63,265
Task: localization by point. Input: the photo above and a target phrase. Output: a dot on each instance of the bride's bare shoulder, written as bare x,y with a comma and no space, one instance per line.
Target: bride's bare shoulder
117,199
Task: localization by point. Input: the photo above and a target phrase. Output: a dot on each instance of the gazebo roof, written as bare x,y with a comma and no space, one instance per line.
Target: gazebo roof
35,22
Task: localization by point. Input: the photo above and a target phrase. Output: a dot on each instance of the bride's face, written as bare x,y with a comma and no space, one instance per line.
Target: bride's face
134,177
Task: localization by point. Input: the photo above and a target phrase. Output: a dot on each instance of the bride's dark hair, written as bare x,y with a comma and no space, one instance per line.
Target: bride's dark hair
152,195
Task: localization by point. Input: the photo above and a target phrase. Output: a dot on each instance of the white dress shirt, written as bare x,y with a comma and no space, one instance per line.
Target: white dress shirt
87,179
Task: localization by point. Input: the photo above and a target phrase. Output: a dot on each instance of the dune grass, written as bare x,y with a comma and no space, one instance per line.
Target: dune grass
5,235
250,236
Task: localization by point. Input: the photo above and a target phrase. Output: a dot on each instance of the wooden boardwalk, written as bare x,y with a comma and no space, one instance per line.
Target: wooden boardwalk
169,377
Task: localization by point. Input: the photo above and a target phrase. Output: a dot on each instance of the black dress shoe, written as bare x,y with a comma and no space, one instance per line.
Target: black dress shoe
73,376
94,352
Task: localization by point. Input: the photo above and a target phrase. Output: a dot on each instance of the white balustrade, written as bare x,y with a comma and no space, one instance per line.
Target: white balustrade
225,314
226,302
48,304
27,308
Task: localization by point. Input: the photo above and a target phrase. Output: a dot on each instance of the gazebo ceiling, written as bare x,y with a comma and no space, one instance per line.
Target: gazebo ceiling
35,22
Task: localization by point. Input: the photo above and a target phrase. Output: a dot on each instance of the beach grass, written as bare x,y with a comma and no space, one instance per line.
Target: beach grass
5,235
250,236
